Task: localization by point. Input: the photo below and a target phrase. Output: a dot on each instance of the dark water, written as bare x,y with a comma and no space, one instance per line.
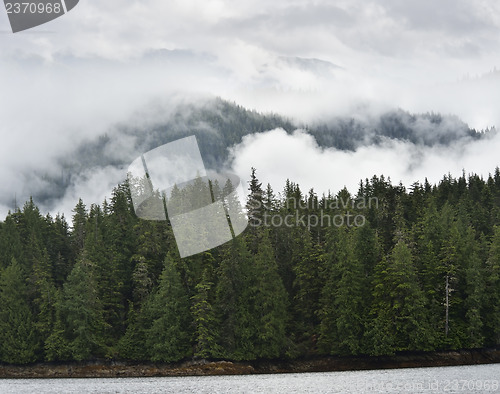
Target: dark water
463,379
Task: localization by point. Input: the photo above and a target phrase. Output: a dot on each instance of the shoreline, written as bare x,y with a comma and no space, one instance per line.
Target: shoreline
114,369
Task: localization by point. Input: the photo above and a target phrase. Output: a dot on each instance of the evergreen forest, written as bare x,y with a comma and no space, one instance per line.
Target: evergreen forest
414,269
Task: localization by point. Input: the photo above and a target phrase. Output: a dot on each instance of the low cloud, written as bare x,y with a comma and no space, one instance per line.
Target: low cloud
77,77
278,156
93,186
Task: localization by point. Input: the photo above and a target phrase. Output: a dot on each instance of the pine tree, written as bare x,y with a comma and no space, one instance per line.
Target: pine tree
205,321
131,344
18,344
343,305
492,290
81,322
255,211
42,293
474,292
107,270
367,248
401,321
269,303
380,333
57,346
308,284
429,239
451,267
169,337
79,227
10,241
59,249
118,243
153,240
234,209
234,292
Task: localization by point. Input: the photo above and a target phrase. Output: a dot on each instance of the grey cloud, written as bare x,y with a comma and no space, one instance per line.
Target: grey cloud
72,79
458,17
422,30
287,18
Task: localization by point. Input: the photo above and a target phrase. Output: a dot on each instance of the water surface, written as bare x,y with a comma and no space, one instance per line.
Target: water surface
462,379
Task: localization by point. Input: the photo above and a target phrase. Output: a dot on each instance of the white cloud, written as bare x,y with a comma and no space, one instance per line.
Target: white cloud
92,187
73,78
278,156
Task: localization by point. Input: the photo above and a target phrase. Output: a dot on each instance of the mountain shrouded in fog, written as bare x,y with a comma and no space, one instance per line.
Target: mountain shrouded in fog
218,126
82,96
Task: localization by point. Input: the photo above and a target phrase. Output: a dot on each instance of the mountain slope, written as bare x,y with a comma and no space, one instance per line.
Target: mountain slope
219,124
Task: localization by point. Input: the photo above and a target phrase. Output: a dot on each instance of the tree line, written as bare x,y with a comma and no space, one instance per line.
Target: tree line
421,273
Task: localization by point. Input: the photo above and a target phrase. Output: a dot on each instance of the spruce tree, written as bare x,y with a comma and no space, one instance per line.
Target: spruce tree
452,267
204,317
11,246
79,227
270,303
42,292
492,290
234,293
474,290
108,271
169,337
17,325
343,303
400,318
81,321
255,211
308,285
131,344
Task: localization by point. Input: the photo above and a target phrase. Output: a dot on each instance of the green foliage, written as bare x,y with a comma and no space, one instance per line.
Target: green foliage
131,344
168,338
205,321
423,273
80,328
492,290
344,309
400,320
234,292
17,326
10,241
308,285
269,304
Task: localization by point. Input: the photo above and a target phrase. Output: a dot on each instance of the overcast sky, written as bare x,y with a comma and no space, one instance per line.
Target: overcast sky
72,78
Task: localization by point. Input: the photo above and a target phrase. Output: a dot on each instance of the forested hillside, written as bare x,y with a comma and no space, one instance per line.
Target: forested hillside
420,270
218,125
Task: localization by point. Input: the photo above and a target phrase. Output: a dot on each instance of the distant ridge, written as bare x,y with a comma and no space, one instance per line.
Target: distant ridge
219,124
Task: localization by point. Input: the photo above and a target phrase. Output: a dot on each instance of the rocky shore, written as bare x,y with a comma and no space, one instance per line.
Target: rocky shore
107,369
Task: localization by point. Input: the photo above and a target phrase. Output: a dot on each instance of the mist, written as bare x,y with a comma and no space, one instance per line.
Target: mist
279,156
116,63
